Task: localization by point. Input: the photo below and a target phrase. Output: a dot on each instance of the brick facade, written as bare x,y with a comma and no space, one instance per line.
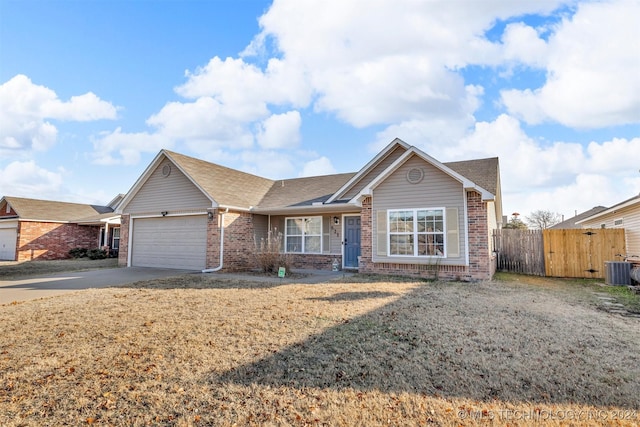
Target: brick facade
481,263
123,253
315,261
50,241
239,242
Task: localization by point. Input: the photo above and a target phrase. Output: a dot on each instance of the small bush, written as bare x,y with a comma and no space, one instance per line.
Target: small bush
97,254
269,255
78,252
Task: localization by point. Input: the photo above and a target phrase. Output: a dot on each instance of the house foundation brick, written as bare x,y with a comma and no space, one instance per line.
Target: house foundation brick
315,261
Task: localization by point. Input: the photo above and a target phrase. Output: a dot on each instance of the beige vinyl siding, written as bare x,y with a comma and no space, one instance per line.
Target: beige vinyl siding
630,222
377,170
172,193
335,236
436,190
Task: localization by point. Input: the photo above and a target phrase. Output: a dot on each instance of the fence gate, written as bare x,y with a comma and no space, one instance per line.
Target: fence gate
581,252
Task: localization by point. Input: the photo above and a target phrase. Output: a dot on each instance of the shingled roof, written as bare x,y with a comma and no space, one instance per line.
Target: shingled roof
571,222
228,187
303,191
233,188
483,172
48,210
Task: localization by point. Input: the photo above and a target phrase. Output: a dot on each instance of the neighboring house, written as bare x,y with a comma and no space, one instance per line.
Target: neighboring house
33,229
572,222
625,215
403,213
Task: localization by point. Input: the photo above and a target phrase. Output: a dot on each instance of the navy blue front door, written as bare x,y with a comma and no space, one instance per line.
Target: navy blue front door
351,241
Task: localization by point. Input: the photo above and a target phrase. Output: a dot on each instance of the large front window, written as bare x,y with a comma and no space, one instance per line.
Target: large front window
304,235
416,232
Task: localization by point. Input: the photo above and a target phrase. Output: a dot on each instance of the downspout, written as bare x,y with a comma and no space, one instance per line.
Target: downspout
218,268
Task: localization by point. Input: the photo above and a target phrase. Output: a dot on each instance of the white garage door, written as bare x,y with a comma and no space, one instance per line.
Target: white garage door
170,242
8,237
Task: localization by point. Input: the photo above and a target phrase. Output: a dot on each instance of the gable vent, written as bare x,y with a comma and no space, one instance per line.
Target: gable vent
166,170
415,175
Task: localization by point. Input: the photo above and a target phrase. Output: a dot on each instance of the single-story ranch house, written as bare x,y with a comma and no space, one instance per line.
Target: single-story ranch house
403,213
32,229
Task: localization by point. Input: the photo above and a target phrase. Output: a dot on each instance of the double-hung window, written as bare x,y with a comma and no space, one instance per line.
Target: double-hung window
116,239
416,232
304,235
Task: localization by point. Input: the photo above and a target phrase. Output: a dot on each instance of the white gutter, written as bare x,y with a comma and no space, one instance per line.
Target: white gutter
219,267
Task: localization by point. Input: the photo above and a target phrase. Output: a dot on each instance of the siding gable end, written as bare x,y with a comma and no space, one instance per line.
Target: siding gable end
167,189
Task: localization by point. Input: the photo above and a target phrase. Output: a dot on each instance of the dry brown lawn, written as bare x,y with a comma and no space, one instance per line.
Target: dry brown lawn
197,350
13,269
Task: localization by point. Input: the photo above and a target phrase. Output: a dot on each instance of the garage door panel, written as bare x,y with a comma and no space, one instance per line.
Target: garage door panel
170,242
8,238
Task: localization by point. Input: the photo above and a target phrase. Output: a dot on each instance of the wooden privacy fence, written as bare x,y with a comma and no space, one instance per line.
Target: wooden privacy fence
519,251
581,252
558,252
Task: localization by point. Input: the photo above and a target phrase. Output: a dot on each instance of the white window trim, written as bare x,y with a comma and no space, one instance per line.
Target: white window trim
621,222
303,250
113,237
415,233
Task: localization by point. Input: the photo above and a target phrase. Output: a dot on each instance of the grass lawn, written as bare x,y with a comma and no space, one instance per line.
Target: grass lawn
197,350
13,269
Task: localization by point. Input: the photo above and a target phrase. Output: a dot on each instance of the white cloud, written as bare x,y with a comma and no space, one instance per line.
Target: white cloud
238,84
204,119
387,62
26,179
280,131
26,108
523,44
124,148
592,65
557,176
320,166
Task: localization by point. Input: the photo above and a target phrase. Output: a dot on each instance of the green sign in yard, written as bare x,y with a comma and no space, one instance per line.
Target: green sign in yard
281,272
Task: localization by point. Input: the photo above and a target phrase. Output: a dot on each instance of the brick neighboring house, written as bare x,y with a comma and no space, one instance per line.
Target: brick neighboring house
404,213
32,229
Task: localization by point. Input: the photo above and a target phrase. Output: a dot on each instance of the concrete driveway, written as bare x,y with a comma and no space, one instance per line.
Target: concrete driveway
27,288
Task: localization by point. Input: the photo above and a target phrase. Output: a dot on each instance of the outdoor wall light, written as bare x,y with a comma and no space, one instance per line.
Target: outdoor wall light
336,220
164,213
210,215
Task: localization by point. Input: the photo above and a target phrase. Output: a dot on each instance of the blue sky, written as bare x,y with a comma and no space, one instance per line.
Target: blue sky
91,91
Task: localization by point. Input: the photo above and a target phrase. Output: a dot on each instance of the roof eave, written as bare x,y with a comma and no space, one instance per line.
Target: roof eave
321,208
630,202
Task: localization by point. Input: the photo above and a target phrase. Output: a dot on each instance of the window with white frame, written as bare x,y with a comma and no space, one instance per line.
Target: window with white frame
115,241
416,232
303,235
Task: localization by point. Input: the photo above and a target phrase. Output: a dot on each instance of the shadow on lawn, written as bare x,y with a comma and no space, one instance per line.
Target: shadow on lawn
432,342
